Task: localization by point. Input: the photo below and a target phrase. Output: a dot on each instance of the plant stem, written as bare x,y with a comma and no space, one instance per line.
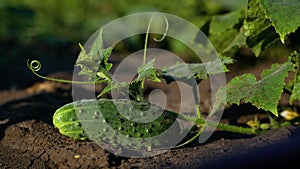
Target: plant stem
203,123
141,91
225,127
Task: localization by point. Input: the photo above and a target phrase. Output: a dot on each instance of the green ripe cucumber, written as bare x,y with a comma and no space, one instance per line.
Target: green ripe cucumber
102,120
115,124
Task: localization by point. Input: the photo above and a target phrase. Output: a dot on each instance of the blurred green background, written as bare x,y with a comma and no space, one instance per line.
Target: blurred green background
50,30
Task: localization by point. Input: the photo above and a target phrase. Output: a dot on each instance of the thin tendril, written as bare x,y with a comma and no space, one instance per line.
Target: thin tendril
157,40
146,44
146,39
166,31
35,66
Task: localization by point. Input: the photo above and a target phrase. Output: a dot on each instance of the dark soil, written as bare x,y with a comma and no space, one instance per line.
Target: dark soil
28,138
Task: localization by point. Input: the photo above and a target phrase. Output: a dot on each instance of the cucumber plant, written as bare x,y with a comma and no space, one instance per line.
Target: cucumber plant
257,27
96,62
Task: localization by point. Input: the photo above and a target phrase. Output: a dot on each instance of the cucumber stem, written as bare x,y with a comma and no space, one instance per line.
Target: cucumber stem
222,126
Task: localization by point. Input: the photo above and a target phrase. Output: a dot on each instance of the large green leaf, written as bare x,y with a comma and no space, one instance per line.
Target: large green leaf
284,15
258,28
238,41
269,20
225,32
198,71
263,94
220,23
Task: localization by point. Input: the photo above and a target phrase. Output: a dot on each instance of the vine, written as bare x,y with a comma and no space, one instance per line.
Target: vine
246,27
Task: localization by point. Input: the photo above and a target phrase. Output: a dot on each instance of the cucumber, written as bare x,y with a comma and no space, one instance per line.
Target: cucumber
109,121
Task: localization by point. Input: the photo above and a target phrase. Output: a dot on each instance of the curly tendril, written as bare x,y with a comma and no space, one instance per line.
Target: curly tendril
36,65
166,31
146,44
157,40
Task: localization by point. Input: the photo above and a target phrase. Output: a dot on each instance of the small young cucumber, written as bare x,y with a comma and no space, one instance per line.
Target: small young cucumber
92,119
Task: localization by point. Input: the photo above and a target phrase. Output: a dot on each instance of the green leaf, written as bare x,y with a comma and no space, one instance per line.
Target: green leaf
296,87
258,28
104,63
263,94
88,65
269,20
226,33
284,15
103,74
131,89
221,23
296,90
118,86
95,63
198,71
98,53
238,41
226,42
147,71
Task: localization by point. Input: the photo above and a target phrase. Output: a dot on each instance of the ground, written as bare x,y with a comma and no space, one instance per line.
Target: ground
28,138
